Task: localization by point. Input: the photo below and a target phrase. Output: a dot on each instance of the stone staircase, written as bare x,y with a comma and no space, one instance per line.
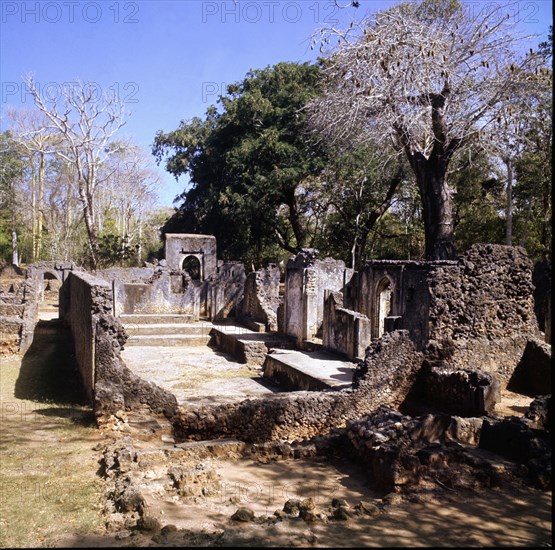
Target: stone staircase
165,329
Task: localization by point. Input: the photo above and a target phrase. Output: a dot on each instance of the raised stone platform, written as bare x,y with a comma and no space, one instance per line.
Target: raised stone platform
308,370
198,375
246,345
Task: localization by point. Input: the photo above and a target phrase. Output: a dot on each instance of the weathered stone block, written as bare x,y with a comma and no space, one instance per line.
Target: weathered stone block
532,375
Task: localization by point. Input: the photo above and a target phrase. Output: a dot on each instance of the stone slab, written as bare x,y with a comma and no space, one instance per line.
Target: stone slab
309,371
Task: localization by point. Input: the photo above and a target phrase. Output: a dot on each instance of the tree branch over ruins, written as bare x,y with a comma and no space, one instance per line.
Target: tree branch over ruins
426,80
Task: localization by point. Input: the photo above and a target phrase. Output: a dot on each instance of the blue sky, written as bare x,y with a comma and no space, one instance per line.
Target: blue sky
170,60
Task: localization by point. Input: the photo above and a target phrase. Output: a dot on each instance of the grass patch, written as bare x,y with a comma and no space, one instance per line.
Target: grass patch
49,487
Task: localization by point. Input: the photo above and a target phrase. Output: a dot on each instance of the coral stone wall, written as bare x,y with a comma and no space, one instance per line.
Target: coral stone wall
98,338
261,297
482,311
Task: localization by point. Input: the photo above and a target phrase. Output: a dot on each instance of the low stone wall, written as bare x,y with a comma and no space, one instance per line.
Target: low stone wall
462,392
532,375
482,311
10,334
396,449
391,366
18,310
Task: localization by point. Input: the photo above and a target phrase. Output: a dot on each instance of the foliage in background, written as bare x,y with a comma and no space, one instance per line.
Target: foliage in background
249,164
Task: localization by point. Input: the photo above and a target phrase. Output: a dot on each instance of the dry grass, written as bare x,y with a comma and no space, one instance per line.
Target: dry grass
48,482
194,379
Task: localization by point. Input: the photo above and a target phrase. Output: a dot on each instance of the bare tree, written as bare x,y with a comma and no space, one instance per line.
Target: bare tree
30,130
85,120
129,192
427,79
511,134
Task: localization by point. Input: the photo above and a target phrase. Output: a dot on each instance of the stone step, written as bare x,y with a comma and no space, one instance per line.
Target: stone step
308,371
168,328
155,318
168,340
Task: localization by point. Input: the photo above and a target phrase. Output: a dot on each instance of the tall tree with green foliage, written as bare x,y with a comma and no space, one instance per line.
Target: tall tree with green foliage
355,190
11,175
249,164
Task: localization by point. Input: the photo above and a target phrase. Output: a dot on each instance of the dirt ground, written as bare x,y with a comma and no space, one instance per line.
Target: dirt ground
52,491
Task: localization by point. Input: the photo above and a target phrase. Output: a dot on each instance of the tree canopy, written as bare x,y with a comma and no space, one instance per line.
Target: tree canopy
249,163
427,80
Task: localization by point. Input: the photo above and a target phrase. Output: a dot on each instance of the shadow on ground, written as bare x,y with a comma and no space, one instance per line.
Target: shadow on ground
49,374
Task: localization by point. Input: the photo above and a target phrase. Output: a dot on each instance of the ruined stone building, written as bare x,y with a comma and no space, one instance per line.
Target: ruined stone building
472,314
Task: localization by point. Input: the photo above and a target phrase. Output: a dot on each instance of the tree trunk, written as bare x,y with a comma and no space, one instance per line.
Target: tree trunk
509,213
40,200
437,208
33,213
140,243
15,253
67,225
295,218
88,214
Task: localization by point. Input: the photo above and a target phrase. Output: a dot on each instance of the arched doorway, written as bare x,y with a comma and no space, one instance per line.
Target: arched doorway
383,297
191,264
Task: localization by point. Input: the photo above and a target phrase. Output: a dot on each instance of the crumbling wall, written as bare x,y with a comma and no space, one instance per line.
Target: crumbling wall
116,388
344,331
87,296
532,375
261,298
226,290
462,392
98,339
482,310
18,309
160,290
306,280
391,366
166,290
410,296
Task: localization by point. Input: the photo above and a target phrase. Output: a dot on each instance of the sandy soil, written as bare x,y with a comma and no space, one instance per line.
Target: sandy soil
430,515
512,515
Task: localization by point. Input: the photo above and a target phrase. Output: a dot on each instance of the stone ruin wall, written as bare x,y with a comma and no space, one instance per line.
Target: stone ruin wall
18,310
21,291
167,290
261,300
98,339
345,331
481,312
307,278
